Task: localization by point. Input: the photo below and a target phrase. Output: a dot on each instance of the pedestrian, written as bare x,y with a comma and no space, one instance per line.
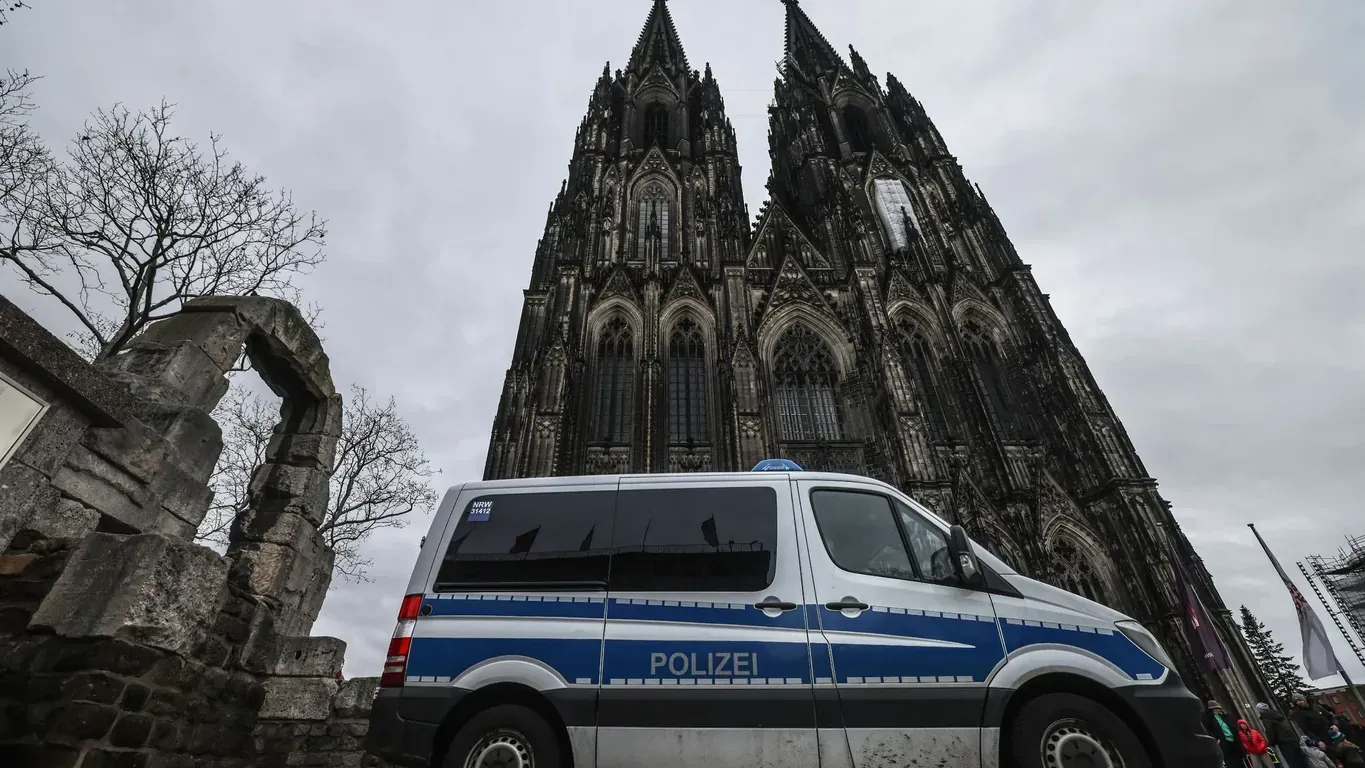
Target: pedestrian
1316,757
1310,719
1280,735
1343,750
1254,743
1220,727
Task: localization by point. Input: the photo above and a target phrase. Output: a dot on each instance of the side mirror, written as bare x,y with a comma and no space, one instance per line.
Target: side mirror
965,564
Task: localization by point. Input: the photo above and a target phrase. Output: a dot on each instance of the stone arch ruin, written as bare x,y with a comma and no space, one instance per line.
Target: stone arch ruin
121,640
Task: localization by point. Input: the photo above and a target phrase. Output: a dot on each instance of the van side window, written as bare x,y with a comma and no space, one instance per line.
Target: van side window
928,546
695,540
542,540
872,534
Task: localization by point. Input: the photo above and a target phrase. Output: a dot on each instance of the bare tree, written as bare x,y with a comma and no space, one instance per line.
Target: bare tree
9,6
25,167
380,475
138,220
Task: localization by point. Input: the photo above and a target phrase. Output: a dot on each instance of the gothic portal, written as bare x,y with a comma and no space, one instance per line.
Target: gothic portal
875,319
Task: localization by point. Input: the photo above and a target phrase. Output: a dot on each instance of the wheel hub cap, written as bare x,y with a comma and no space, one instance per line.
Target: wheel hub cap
501,749
1071,745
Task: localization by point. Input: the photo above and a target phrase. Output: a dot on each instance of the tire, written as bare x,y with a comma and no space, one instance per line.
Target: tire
515,728
1060,730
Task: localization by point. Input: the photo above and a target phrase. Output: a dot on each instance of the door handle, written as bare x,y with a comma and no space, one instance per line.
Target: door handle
772,603
847,604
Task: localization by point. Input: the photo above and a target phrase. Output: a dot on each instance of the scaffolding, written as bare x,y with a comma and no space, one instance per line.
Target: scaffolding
1343,579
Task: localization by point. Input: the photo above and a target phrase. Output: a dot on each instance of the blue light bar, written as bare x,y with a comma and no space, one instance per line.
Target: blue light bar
776,465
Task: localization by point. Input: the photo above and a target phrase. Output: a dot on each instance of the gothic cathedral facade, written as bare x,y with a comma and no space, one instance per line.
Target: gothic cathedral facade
875,319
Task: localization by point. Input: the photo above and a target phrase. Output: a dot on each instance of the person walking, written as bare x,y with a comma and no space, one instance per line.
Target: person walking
1254,744
1280,735
1221,727
1316,757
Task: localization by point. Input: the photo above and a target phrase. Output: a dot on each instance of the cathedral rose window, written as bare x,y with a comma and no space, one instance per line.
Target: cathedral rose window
806,383
614,384
687,413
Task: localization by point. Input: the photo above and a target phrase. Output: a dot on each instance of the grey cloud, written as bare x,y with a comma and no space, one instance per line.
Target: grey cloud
1187,178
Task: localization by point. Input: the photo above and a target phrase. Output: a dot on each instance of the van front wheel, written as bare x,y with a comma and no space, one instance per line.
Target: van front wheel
505,736
1062,730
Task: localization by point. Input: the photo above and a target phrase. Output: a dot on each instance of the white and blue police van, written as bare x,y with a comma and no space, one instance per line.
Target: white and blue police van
766,619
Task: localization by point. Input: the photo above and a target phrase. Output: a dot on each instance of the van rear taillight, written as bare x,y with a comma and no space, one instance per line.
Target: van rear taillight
396,663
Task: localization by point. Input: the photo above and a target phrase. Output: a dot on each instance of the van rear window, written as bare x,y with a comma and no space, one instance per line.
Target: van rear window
533,540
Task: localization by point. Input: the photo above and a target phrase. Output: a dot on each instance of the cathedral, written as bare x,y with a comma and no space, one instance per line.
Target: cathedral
874,319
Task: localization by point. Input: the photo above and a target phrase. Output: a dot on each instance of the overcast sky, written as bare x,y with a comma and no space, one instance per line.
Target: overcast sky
1187,179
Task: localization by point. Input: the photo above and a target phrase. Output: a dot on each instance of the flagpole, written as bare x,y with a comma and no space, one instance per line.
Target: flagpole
1351,689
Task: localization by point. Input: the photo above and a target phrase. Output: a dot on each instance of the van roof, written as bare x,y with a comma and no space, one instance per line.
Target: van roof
714,477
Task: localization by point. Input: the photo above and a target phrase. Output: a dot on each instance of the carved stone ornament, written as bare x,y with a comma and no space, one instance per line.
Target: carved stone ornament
750,426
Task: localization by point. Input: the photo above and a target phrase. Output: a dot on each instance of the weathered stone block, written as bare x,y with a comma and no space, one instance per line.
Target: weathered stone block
96,687
196,439
13,565
136,448
193,378
47,445
185,496
219,333
284,528
304,489
70,724
131,731
151,589
22,490
96,483
310,657
356,698
298,698
311,451
63,519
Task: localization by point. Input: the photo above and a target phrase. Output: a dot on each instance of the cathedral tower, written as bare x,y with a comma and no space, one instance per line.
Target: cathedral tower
876,320
616,365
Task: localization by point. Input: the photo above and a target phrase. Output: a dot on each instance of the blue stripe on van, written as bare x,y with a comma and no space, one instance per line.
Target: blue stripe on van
446,658
701,612
1111,645
966,629
710,662
521,606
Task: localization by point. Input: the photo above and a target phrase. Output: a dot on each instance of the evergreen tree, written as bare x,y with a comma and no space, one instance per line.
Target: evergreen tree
1280,670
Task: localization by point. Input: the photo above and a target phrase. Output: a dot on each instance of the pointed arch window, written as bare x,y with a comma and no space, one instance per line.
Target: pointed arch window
1075,574
687,412
614,384
857,130
656,126
988,372
807,387
895,212
652,227
918,355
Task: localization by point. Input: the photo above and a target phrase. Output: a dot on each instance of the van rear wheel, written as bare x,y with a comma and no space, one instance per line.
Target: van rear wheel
1063,730
505,736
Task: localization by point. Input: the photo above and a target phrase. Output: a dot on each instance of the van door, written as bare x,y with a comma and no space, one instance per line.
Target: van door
706,660
911,652
519,596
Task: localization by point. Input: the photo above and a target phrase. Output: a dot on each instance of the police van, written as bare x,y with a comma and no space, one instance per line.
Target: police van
767,619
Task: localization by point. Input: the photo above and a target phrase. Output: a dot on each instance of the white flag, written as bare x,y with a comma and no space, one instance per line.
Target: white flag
1318,657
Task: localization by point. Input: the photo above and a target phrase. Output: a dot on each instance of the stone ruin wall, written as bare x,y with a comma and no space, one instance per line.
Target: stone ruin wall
124,643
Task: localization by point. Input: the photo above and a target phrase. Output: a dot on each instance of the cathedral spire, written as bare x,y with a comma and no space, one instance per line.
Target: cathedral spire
658,43
806,49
